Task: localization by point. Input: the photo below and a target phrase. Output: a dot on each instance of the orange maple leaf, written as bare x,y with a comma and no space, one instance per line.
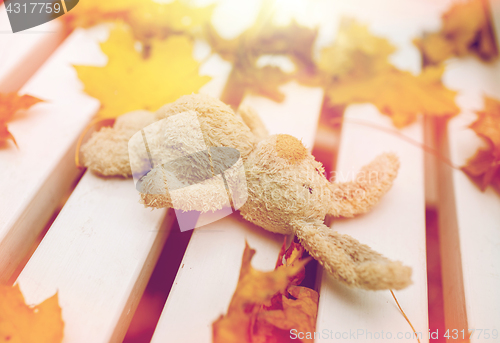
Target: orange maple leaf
10,104
21,323
484,166
266,305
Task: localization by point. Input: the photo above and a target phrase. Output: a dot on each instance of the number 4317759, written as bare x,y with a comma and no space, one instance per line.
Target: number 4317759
34,7
478,333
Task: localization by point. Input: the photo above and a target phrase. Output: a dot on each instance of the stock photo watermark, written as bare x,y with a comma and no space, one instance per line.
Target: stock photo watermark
368,335
25,14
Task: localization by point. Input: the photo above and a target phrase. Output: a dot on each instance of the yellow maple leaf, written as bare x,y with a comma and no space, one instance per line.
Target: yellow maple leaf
20,323
131,81
148,19
484,166
356,69
10,104
399,94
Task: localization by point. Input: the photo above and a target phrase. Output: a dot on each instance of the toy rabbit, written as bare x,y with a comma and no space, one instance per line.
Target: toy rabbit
288,192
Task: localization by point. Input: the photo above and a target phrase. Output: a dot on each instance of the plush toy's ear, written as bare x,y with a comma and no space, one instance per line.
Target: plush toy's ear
251,118
349,261
371,183
106,152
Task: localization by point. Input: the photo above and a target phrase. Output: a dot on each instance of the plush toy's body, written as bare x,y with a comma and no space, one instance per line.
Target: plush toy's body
287,190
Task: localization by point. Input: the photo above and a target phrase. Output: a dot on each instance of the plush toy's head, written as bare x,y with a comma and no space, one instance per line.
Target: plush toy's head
285,182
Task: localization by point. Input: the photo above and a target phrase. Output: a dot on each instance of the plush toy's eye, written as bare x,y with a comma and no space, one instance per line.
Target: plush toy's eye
308,188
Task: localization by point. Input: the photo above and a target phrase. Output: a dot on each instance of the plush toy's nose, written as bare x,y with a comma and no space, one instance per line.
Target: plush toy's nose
371,183
290,149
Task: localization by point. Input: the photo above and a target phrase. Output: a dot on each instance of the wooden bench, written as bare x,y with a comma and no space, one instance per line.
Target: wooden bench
101,249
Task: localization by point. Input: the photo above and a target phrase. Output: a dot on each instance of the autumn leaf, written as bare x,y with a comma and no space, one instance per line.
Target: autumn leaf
130,81
466,29
155,20
266,305
148,19
298,312
288,257
263,38
10,104
484,166
356,69
20,323
399,94
355,53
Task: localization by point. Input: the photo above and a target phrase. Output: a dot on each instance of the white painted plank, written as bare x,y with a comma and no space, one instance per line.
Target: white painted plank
473,217
98,256
103,246
209,271
395,228
469,218
35,176
302,121
22,53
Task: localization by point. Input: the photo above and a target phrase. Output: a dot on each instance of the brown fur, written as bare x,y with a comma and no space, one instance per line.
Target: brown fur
287,189
106,152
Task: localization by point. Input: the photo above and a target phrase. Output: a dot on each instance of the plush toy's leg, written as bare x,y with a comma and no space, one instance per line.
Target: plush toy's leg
371,183
251,118
349,261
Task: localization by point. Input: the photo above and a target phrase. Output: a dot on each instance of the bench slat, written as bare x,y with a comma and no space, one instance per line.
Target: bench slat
102,248
37,175
209,270
395,228
21,54
469,218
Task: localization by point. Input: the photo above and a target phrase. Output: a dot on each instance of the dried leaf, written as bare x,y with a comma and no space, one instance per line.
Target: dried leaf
467,29
10,104
399,94
356,69
484,166
288,257
299,312
131,81
265,38
156,20
21,323
355,53
266,305
148,19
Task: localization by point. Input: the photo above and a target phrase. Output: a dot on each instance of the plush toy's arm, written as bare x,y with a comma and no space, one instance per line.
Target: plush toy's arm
251,118
371,183
349,261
